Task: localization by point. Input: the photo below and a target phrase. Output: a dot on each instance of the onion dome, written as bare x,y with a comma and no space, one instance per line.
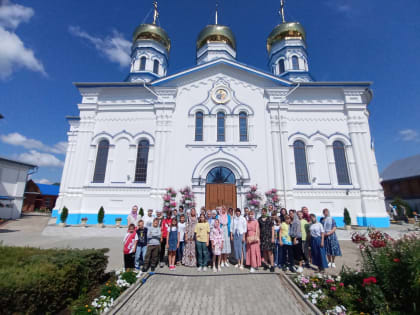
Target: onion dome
152,32
216,33
284,30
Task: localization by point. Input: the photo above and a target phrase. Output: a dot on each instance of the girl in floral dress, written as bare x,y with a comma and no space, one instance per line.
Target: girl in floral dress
332,247
189,259
224,219
216,238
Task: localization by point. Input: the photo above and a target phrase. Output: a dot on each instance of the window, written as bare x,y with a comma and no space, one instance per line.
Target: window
281,66
101,161
300,163
142,158
341,163
243,126
142,63
220,126
199,126
156,66
295,63
220,175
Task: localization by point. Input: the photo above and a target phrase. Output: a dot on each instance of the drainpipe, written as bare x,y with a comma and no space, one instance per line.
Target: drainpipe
282,151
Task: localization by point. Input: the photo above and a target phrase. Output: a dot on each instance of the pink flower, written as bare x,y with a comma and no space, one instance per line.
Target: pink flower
329,281
313,285
333,288
341,284
273,190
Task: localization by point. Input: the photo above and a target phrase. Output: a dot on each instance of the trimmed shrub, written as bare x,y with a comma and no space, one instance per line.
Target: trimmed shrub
38,281
141,212
64,215
101,215
347,218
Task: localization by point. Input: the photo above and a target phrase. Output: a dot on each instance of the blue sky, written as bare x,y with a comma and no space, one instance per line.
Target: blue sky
46,45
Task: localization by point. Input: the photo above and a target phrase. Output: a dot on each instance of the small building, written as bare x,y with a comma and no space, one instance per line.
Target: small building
402,179
13,177
39,196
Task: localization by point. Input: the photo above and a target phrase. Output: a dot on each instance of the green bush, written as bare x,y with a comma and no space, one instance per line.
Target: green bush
141,212
36,281
401,204
347,218
101,215
64,215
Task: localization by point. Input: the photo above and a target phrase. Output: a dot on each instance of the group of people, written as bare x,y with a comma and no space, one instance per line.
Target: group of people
290,240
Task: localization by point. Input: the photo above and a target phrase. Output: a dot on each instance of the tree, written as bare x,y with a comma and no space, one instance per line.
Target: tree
64,215
101,215
347,218
141,212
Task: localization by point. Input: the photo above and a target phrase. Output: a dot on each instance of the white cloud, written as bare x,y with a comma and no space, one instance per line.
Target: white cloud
409,135
43,181
40,159
19,140
13,53
115,47
341,6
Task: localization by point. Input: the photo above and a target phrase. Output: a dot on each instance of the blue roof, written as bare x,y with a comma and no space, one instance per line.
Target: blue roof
51,190
404,168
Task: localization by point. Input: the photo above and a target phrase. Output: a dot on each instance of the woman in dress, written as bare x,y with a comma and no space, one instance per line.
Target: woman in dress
267,238
317,244
332,247
133,217
253,252
216,238
189,259
224,220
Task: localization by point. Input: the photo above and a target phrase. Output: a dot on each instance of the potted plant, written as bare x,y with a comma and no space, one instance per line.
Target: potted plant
347,219
101,216
84,221
118,222
63,216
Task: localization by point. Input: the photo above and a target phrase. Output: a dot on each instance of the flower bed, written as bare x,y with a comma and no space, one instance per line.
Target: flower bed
388,282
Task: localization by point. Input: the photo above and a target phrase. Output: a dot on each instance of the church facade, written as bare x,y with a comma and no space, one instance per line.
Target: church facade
220,128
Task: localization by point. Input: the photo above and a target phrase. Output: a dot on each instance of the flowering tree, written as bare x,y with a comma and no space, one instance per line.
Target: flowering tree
272,198
169,202
187,198
253,198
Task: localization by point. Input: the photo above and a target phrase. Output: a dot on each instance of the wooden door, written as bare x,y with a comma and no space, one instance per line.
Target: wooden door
220,195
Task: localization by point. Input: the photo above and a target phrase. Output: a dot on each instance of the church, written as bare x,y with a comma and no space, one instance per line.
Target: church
220,128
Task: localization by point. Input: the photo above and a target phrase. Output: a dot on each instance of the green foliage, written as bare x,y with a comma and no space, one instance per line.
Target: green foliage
37,281
141,212
347,218
111,289
101,215
401,204
64,215
129,276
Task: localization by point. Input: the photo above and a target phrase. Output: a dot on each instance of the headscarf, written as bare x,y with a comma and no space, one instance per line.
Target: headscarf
134,214
218,225
295,229
223,217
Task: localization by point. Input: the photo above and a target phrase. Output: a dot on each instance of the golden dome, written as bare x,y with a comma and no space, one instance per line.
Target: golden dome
153,32
216,33
283,30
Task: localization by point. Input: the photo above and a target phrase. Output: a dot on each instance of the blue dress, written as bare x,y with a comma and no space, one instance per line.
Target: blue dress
332,247
173,239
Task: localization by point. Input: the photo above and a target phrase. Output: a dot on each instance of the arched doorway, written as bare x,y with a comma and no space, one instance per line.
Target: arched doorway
220,188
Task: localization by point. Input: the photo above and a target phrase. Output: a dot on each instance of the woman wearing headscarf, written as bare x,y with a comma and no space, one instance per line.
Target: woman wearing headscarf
133,217
224,219
332,247
296,235
189,259
253,252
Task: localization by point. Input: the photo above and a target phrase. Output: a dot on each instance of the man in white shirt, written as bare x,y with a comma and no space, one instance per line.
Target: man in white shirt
148,219
238,230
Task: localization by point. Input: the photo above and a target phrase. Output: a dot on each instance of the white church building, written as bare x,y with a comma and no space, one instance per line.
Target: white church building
221,127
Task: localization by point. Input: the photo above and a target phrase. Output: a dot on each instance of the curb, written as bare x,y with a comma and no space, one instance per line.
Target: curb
299,292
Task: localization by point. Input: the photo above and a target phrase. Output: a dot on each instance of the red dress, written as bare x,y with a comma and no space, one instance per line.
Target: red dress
253,252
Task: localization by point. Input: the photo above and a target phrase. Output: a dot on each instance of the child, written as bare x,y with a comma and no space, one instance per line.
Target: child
278,251
181,230
286,243
154,237
172,243
141,244
216,238
130,244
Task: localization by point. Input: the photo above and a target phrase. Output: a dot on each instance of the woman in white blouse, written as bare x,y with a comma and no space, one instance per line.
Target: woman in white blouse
238,229
319,258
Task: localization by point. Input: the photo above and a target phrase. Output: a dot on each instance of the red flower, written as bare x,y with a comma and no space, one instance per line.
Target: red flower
341,284
359,300
329,281
333,288
397,260
368,281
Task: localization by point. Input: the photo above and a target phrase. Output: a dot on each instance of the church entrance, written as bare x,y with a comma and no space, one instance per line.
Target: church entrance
220,188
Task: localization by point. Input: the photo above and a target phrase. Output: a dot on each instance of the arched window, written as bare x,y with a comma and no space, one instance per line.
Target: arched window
142,63
221,175
199,126
243,126
142,158
341,163
295,63
220,126
101,161
156,66
281,66
300,163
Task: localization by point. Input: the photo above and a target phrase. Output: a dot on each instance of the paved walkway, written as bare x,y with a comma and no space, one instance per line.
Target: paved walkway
189,292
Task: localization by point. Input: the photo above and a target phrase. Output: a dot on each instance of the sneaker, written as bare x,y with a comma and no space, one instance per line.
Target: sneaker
333,265
214,269
199,269
329,265
252,270
144,269
292,269
222,264
139,274
272,269
173,268
241,267
300,269
205,269
153,269
237,265
220,269
162,264
226,264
